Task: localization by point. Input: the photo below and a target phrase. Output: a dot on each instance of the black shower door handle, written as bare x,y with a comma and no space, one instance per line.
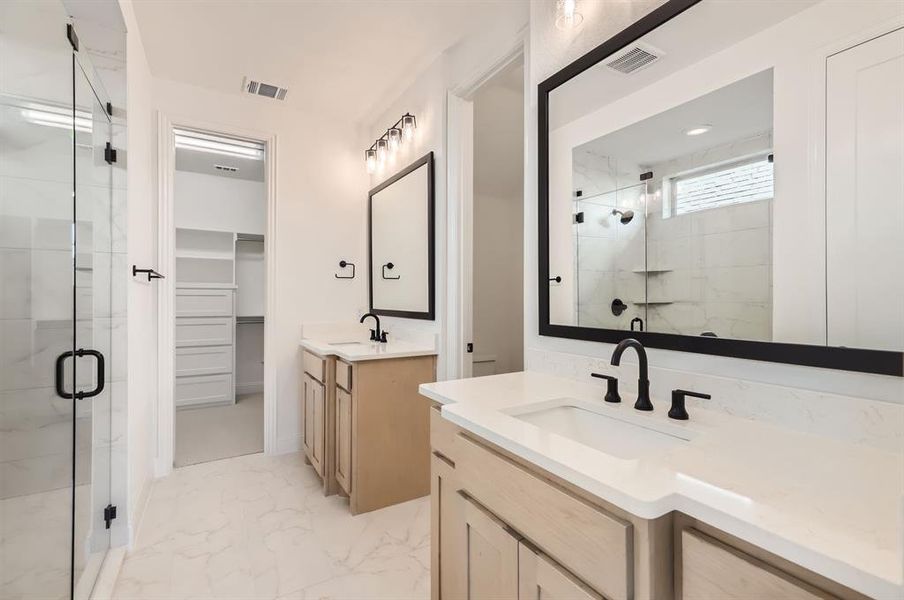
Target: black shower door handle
60,368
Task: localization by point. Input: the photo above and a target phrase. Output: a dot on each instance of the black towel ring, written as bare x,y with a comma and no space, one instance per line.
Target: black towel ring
389,266
343,264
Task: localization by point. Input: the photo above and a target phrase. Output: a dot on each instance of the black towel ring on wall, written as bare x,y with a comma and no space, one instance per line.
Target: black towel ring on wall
343,264
389,266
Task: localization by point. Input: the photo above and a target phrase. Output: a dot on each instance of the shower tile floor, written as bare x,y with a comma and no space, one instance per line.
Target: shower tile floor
259,527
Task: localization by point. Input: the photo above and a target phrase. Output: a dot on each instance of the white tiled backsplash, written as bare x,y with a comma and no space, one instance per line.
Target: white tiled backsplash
857,420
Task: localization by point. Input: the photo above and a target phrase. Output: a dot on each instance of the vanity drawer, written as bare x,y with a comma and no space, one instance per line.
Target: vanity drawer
344,375
442,433
204,331
711,569
314,366
204,389
203,303
593,544
203,360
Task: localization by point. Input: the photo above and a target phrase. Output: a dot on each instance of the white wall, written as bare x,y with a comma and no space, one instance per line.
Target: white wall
142,251
552,49
222,203
425,97
498,225
319,217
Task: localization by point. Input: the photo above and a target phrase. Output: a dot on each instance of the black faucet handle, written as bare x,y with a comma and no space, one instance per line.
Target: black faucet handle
611,387
373,335
678,410
383,335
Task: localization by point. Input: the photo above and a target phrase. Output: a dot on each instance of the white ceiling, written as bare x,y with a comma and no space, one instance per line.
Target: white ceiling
736,112
337,55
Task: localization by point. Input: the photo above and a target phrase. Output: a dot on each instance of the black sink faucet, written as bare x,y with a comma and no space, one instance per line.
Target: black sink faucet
643,378
376,335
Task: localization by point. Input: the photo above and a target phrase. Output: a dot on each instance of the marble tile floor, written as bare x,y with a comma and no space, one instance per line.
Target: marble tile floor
259,526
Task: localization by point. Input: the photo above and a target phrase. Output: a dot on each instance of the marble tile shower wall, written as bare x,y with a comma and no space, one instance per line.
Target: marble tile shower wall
36,305
711,270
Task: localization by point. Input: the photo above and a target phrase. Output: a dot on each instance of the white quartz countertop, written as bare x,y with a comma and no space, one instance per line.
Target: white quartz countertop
357,350
834,508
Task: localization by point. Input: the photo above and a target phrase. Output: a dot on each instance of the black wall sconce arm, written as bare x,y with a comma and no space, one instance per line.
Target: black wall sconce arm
151,273
343,264
389,266
557,279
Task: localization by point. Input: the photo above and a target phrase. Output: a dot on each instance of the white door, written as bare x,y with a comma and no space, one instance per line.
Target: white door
865,194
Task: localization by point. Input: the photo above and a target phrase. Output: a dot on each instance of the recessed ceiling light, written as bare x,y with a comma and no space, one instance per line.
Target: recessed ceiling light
698,130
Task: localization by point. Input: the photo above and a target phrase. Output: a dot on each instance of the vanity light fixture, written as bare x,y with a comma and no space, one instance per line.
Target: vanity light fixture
387,144
567,15
698,130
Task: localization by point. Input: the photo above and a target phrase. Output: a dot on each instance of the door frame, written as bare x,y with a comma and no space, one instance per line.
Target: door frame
166,258
460,198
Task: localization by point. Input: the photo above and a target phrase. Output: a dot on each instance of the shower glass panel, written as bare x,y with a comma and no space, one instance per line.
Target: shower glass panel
55,268
610,243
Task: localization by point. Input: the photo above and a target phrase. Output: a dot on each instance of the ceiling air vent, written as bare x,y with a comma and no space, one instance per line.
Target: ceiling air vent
226,168
256,88
633,58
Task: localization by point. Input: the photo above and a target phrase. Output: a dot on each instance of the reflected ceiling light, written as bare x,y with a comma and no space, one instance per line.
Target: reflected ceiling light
387,144
567,15
204,142
698,130
61,118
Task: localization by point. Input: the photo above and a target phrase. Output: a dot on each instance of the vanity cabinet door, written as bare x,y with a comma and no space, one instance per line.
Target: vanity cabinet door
447,543
344,439
490,559
312,398
319,413
539,578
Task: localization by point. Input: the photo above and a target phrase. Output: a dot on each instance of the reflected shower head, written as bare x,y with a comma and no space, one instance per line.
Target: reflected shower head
626,216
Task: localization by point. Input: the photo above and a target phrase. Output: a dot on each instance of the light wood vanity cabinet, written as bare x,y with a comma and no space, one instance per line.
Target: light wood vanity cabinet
366,428
503,528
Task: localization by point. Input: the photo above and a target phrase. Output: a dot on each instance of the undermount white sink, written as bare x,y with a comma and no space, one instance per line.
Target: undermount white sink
623,436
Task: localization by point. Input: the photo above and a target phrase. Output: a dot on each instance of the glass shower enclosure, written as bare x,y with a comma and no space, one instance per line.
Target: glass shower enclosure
60,310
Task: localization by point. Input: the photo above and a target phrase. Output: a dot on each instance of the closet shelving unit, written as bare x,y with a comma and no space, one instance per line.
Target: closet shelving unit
211,267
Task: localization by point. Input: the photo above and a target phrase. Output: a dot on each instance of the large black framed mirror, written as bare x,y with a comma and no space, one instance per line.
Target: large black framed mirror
725,178
401,243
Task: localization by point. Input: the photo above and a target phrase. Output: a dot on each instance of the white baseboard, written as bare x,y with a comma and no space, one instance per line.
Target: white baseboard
254,387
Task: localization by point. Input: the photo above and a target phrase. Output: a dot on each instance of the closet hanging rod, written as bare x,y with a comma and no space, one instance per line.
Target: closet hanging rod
249,237
247,320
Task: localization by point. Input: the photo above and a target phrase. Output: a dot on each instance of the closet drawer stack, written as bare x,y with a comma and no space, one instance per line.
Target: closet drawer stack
205,357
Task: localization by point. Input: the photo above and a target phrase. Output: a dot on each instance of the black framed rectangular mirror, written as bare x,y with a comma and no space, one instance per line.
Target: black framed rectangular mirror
725,178
401,246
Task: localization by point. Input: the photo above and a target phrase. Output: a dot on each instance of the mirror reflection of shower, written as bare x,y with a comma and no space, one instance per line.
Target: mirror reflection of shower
626,215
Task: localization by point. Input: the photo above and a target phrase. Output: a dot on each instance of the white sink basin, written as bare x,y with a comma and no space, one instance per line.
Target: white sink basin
593,424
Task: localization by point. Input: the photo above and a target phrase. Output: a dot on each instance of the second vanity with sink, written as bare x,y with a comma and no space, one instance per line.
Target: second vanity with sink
366,430
542,489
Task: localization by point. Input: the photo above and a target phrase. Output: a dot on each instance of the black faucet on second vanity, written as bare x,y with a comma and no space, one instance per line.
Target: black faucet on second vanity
376,335
643,378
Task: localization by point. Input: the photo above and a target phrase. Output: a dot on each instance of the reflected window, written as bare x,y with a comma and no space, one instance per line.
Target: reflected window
749,180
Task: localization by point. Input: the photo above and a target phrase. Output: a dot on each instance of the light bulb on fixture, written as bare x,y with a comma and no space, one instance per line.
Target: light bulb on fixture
382,150
395,139
409,124
370,159
567,15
